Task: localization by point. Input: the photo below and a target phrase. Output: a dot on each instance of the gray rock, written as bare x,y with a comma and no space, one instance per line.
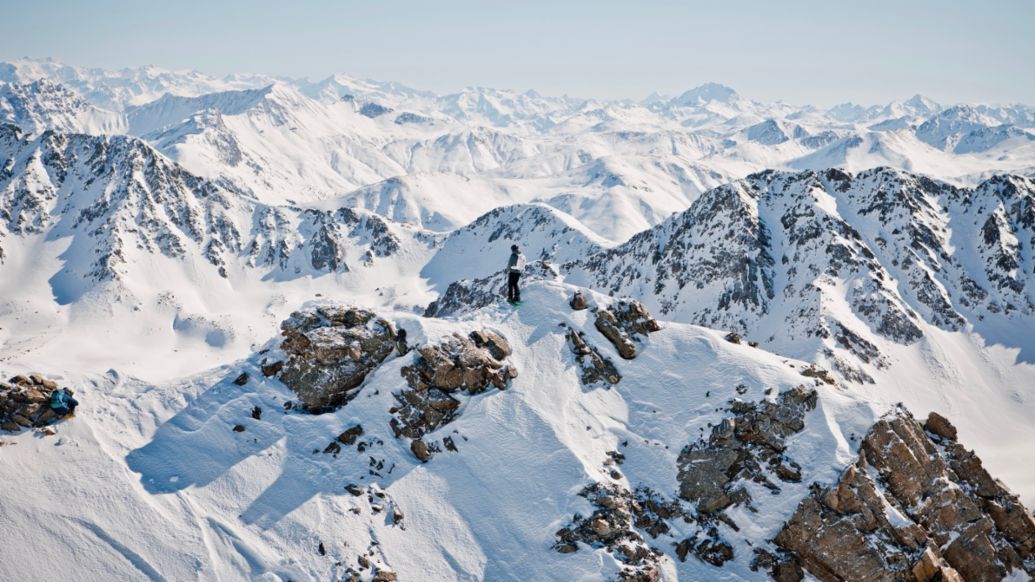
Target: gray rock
331,349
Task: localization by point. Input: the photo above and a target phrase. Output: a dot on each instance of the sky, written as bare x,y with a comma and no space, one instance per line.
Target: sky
798,51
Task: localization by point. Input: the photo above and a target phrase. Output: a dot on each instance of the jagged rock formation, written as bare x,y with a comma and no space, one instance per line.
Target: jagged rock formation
760,255
466,296
626,324
594,368
618,517
915,506
439,373
25,402
116,195
747,446
330,350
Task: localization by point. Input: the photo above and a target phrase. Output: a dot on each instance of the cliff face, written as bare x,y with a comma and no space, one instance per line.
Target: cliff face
916,505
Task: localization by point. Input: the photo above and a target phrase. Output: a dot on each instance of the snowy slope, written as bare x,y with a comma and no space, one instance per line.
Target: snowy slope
156,227
167,489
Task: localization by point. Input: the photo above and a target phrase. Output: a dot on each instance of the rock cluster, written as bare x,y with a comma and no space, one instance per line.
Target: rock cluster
625,324
617,519
456,365
747,446
595,369
330,350
916,505
25,402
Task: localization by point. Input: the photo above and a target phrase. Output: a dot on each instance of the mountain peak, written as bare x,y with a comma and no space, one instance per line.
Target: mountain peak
706,93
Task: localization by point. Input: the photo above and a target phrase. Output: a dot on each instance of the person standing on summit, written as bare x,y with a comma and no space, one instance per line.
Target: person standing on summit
515,266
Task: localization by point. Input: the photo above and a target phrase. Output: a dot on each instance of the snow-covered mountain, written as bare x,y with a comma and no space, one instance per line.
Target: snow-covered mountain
278,301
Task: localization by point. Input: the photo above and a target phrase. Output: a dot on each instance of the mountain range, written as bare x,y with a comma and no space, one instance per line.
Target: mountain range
165,234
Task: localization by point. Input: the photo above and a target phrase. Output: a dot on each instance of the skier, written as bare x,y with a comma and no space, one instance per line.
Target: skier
514,268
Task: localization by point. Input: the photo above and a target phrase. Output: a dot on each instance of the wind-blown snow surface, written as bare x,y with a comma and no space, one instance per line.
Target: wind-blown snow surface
158,485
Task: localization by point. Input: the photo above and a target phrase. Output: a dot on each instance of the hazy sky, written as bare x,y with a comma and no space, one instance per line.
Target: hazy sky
801,51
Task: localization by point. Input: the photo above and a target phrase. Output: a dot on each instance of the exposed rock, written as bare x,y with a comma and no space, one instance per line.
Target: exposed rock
330,351
616,522
257,413
733,337
465,296
450,444
939,425
595,368
915,505
708,546
25,402
578,301
350,435
814,371
420,450
272,368
749,445
242,379
625,324
456,365
238,428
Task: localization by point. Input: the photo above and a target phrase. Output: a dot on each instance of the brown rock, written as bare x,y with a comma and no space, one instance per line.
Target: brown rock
331,350
420,450
944,496
272,368
578,301
243,378
939,425
350,435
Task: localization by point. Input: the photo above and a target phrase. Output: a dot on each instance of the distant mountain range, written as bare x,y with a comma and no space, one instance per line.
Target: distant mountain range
157,227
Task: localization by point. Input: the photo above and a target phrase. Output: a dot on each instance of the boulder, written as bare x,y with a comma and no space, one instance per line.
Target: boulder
420,450
330,350
350,435
939,425
578,301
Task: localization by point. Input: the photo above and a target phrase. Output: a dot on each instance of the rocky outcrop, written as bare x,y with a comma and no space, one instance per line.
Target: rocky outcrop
330,350
25,402
916,505
618,517
746,446
625,324
457,365
595,369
